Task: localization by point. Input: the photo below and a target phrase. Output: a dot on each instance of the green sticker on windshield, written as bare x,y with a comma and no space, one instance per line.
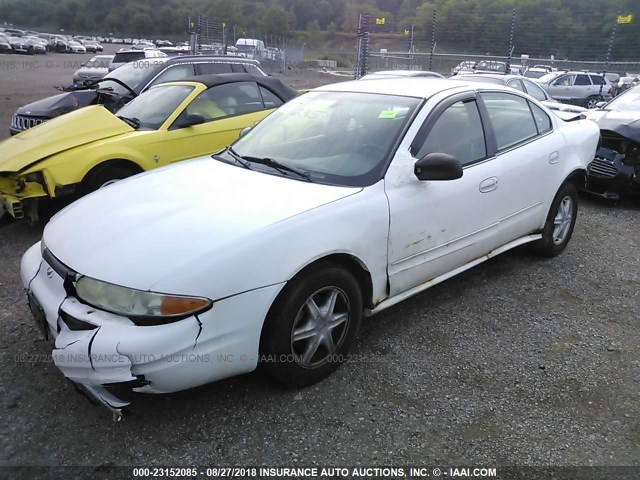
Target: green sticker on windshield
388,114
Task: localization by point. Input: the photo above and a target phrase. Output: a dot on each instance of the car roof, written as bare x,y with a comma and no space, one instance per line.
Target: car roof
418,87
272,83
222,58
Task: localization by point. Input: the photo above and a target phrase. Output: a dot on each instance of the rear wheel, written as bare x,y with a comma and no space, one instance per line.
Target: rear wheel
561,219
311,326
593,100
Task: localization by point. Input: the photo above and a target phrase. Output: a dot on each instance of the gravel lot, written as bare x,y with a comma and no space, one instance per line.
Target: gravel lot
518,361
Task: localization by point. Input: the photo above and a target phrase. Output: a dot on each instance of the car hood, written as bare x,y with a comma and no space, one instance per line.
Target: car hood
138,231
57,135
59,104
625,123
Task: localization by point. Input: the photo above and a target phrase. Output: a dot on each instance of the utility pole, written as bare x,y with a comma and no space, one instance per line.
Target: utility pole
433,39
513,27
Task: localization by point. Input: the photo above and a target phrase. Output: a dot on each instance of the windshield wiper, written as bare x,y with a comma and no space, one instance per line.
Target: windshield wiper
282,168
133,122
232,153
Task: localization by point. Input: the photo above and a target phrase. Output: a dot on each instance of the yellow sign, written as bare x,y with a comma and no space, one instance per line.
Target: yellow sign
406,31
380,21
625,19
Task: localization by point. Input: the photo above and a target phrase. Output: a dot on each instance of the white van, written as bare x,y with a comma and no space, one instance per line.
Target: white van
250,48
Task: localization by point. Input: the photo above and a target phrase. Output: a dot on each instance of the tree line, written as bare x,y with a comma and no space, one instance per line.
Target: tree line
564,28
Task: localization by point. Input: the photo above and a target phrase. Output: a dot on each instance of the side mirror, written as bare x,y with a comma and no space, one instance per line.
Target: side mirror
438,166
600,104
191,120
244,131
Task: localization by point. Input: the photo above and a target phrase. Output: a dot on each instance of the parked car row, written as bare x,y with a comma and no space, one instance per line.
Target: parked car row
30,42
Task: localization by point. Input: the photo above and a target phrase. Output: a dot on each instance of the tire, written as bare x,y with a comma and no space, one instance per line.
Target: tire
105,177
592,101
561,219
333,293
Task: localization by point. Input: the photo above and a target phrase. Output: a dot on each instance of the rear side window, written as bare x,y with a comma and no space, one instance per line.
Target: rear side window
597,79
582,80
270,99
543,122
515,84
124,57
253,70
511,118
213,68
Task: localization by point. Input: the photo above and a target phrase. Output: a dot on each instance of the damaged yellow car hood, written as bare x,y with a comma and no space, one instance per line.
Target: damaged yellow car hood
59,134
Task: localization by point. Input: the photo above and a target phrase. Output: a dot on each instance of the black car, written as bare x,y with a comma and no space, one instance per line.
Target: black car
127,82
615,170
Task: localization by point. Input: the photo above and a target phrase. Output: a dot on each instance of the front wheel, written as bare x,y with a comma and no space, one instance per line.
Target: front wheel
561,219
105,177
312,326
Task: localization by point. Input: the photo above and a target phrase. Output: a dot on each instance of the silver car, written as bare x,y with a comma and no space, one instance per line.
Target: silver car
578,88
93,70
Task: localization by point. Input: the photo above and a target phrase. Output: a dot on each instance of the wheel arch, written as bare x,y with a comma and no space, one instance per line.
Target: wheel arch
115,162
347,261
578,178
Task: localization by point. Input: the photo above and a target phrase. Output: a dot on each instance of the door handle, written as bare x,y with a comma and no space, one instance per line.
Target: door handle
554,157
488,184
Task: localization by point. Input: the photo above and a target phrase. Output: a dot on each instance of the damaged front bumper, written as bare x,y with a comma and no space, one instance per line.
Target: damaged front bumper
610,177
18,196
107,355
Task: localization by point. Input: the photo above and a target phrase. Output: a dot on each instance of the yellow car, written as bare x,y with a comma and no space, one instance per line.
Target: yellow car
77,153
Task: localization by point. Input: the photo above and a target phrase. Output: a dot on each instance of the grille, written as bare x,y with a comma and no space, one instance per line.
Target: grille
21,122
601,167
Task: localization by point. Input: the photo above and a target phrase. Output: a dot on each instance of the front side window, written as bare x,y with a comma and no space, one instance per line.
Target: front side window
563,81
154,106
340,138
511,118
458,132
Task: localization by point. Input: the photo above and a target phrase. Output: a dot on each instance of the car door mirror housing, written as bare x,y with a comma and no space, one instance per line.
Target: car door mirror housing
438,166
191,120
244,131
600,104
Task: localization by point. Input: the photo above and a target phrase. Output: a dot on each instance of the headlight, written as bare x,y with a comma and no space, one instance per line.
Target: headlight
143,308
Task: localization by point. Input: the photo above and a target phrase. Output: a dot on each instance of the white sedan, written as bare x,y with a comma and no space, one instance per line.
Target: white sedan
341,203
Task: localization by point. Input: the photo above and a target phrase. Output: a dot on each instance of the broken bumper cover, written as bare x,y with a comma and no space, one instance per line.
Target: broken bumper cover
14,193
103,352
609,177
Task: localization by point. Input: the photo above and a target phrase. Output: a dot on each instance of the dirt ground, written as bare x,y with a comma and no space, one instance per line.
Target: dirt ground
520,361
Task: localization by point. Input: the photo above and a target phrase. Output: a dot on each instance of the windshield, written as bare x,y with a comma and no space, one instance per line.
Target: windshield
340,138
132,74
629,100
154,106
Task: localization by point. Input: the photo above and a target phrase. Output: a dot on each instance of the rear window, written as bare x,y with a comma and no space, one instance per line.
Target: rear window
124,57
